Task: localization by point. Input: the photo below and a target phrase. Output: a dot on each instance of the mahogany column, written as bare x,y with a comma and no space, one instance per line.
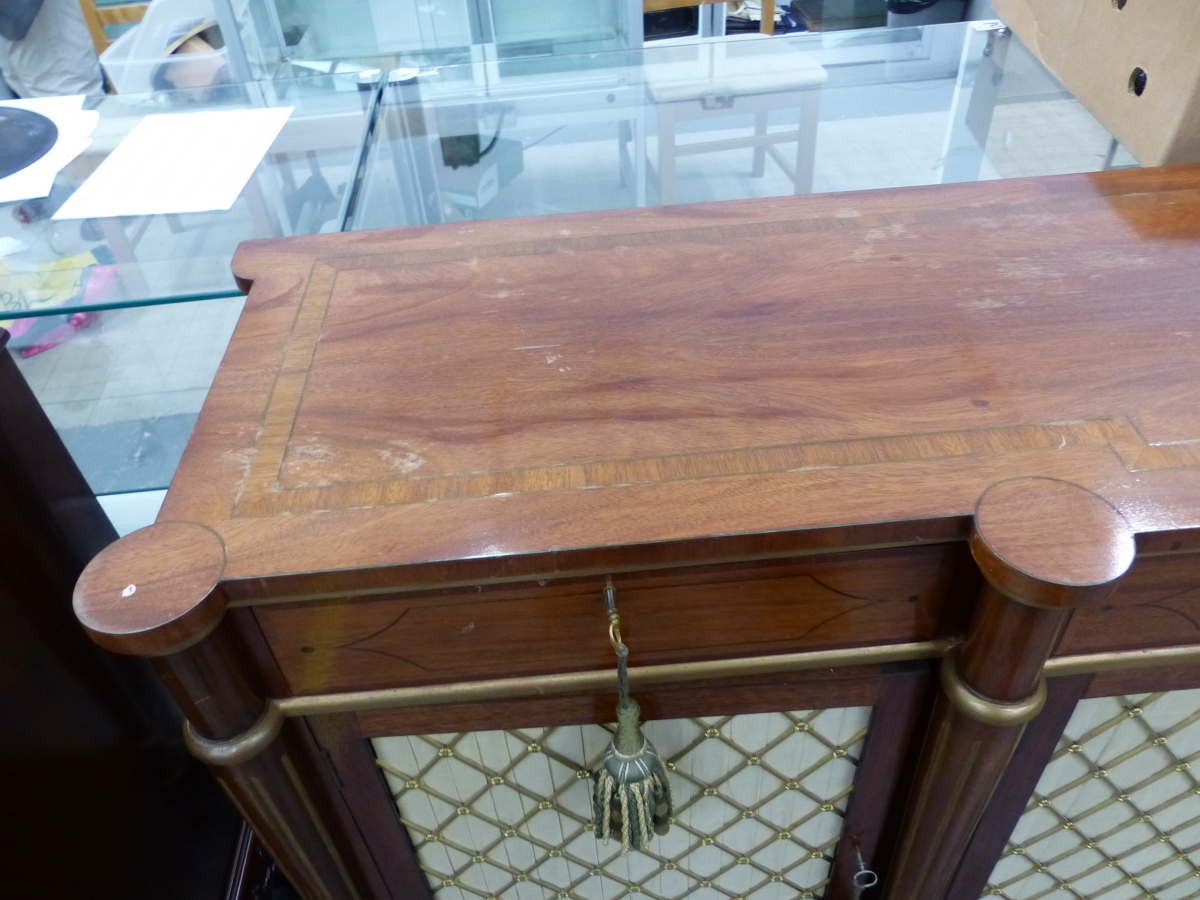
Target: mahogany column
156,593
1044,547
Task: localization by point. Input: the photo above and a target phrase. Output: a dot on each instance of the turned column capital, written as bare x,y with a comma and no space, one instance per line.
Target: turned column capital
154,592
1050,544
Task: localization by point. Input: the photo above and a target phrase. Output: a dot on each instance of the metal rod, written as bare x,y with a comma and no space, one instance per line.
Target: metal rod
606,679
350,198
1122,660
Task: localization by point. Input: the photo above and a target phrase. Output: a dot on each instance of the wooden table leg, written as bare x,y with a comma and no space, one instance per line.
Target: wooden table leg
759,165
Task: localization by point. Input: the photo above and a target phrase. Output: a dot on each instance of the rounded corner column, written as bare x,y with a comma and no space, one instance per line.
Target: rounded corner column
157,593
1044,547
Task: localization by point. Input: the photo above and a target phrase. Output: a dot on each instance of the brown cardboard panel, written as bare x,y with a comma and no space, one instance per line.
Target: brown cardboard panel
1093,48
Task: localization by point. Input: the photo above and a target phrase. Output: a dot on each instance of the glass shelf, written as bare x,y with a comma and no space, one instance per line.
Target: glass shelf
725,119
77,265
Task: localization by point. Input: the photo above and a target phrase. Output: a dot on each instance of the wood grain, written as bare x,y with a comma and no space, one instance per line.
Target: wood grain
154,592
1050,543
387,399
1156,604
709,612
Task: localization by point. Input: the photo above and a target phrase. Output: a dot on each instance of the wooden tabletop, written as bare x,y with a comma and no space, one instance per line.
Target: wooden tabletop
492,390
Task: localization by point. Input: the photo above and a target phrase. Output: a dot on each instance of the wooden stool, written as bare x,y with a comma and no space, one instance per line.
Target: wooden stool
710,81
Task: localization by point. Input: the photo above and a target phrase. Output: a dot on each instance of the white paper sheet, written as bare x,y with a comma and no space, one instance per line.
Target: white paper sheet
179,163
74,124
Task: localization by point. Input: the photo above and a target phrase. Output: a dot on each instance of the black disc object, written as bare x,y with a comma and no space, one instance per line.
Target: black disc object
25,137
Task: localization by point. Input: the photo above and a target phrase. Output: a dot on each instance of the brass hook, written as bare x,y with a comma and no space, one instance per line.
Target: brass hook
614,619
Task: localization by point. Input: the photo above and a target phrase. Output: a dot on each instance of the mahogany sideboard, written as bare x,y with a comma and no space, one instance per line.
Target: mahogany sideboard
898,492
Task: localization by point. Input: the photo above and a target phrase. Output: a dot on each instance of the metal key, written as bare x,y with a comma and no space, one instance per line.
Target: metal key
864,878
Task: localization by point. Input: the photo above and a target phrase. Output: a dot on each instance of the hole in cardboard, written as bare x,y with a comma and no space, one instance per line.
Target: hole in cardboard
1137,81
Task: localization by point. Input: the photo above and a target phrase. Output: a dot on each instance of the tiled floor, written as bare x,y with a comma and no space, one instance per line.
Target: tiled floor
124,392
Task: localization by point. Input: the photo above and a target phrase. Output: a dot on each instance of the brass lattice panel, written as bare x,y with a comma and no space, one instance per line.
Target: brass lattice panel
507,814
1116,814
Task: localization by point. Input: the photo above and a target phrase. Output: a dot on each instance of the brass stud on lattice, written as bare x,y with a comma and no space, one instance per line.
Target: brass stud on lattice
706,842
816,854
1100,773
777,878
1075,748
510,832
463,811
743,860
802,726
670,866
712,733
583,773
496,779
534,748
807,894
827,807
522,877
634,889
1091,845
1068,825
784,835
477,859
753,761
670,766
1018,851
1159,741
710,792
445,753
792,786
839,752
431,838
1182,767
1133,711
595,872
411,784
1122,796
1043,803
545,804
563,895
447,882
748,814
706,884
554,854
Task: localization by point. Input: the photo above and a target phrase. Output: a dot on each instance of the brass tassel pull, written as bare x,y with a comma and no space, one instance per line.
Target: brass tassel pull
633,793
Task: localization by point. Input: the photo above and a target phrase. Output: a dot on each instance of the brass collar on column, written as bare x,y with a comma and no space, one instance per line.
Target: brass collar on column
242,748
983,709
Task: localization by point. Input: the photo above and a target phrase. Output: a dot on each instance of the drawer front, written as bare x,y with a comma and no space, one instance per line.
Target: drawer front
1156,604
713,612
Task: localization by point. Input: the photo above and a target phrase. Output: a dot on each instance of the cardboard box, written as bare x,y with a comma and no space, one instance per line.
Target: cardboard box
1135,65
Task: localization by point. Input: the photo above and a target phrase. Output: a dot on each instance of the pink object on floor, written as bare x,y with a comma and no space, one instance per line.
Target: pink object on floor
60,333
100,282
